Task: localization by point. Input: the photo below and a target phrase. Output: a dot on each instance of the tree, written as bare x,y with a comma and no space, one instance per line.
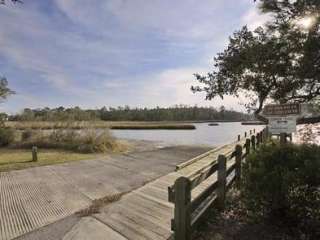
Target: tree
279,62
5,91
14,1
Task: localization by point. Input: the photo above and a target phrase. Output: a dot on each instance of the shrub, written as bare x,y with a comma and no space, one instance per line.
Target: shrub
85,141
26,135
6,136
282,184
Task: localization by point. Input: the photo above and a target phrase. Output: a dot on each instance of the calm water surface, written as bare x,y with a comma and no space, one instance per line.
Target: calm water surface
202,135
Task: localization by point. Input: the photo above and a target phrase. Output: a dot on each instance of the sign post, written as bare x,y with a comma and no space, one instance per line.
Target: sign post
282,119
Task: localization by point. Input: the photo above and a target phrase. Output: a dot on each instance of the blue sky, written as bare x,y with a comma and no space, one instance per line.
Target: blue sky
93,53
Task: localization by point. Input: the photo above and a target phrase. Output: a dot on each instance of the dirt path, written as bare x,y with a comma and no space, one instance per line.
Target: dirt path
36,197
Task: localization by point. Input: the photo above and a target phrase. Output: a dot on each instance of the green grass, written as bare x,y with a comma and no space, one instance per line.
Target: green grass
14,159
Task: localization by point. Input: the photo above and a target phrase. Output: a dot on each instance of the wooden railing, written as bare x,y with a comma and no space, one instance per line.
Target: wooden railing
187,210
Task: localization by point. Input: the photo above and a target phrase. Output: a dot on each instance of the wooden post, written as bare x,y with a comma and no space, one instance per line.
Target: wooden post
267,133
222,181
245,134
34,154
239,137
253,142
248,143
283,138
258,140
182,215
250,132
238,164
254,130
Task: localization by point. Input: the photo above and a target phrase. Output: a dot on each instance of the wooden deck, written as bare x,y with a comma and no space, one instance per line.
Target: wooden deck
146,213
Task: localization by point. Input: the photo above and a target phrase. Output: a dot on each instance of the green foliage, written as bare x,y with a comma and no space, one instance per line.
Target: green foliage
5,91
279,62
282,184
7,136
176,113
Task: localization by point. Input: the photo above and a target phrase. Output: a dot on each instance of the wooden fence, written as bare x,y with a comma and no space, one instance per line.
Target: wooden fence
187,210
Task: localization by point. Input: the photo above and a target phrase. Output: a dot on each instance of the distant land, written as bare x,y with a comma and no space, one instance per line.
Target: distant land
176,113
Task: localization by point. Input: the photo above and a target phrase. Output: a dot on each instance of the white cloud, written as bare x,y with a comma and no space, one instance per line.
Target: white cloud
183,19
254,18
172,86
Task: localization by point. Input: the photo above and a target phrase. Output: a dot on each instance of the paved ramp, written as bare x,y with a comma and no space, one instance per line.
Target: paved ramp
35,197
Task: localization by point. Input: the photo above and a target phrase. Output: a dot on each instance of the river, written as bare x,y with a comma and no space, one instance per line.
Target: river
202,135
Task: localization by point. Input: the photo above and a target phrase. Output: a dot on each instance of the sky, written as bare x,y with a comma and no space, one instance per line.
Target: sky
93,53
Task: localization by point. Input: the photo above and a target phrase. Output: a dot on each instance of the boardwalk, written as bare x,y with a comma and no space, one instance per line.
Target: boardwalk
146,213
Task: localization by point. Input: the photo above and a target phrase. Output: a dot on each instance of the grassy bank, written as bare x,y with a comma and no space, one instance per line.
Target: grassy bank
97,124
14,159
86,141
155,127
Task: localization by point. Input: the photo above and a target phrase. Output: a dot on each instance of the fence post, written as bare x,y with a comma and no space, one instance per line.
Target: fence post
250,132
248,143
245,134
253,142
34,154
258,140
238,164
182,215
222,181
267,132
239,137
283,138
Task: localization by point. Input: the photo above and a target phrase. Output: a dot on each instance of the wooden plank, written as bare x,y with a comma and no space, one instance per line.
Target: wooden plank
155,216
206,205
128,227
163,215
151,204
201,197
231,169
145,221
193,160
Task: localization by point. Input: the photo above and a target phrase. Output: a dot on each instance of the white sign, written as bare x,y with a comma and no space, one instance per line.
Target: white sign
279,125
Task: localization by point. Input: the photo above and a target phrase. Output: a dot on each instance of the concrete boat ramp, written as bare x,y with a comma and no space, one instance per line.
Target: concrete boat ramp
41,202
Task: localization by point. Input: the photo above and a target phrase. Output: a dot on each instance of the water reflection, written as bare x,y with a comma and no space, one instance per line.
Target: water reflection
203,135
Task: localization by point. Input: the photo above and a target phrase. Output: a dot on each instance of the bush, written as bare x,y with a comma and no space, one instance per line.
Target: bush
26,135
6,136
85,141
282,184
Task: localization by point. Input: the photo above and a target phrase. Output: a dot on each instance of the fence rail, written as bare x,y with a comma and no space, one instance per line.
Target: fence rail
188,211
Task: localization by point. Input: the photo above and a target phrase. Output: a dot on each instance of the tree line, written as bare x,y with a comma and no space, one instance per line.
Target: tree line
175,113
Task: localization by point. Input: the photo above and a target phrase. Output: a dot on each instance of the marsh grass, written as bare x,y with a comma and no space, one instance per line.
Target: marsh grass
84,141
77,125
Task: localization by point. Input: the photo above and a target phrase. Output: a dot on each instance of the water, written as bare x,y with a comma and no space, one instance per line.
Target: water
203,135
